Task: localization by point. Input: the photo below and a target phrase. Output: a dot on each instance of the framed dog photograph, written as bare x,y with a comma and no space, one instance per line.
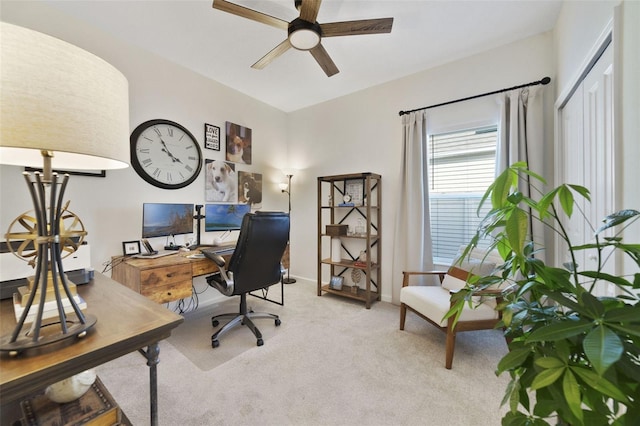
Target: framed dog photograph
130,248
220,182
211,137
238,143
250,189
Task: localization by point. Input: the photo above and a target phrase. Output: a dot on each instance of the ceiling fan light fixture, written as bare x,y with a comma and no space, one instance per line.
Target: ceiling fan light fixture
304,35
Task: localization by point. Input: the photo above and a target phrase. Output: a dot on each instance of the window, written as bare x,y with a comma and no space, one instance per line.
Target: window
461,168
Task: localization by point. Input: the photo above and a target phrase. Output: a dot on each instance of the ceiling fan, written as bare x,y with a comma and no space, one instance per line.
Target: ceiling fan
304,33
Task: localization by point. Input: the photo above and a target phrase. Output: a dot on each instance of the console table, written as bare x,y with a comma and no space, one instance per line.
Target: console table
127,322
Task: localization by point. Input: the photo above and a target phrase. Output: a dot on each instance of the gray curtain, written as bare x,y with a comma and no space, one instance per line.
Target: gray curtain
521,138
412,245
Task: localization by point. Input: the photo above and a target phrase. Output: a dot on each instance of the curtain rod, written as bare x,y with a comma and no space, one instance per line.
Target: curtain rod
544,81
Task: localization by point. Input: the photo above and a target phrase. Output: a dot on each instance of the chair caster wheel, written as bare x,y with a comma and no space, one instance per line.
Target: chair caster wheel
278,322
260,342
215,323
215,343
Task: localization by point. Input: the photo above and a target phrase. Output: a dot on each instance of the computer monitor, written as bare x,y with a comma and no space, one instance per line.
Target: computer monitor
224,217
165,219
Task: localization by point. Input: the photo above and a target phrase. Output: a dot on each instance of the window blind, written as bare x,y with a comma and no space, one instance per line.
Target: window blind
461,168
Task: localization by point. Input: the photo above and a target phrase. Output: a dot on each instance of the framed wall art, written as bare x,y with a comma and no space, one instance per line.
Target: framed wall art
211,137
221,182
250,189
238,143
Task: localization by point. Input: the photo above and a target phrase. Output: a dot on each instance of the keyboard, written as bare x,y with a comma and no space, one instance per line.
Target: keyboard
218,250
155,255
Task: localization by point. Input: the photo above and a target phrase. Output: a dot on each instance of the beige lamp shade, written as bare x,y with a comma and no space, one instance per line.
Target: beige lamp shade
57,97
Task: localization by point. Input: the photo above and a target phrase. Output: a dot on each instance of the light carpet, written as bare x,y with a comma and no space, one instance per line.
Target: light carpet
193,337
331,362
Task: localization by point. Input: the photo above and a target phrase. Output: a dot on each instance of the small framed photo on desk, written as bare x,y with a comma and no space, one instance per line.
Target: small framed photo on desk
130,248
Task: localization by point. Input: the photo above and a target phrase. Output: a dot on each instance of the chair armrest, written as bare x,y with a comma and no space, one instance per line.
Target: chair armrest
226,285
215,257
497,292
407,274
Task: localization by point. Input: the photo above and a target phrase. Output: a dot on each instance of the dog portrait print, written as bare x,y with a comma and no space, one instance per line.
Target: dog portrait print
221,182
238,143
250,189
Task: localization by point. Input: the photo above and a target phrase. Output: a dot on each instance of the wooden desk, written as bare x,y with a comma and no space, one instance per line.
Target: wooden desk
163,279
127,322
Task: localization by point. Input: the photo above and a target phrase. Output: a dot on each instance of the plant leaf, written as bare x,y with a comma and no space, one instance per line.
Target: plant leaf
599,383
606,277
516,228
566,200
603,348
501,188
572,394
581,190
560,330
549,362
546,377
513,359
617,218
545,202
628,313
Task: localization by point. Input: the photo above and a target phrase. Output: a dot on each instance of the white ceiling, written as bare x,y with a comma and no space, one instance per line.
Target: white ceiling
223,46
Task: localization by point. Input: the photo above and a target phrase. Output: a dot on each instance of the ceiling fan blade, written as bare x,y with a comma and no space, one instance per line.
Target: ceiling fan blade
365,26
273,54
326,63
309,10
254,15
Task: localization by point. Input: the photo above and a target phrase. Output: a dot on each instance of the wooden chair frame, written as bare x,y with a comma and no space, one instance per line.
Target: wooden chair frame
449,330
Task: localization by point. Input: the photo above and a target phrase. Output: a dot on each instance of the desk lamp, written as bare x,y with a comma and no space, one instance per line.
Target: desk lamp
286,187
59,106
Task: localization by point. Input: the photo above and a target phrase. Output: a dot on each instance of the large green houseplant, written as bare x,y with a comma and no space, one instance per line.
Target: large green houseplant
573,358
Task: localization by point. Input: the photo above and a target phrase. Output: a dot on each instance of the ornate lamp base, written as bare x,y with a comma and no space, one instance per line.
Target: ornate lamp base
49,333
46,236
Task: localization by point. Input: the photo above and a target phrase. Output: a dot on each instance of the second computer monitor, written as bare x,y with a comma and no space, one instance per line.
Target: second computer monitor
224,217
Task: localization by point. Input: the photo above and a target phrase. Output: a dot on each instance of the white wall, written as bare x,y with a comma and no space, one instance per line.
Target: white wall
362,132
111,207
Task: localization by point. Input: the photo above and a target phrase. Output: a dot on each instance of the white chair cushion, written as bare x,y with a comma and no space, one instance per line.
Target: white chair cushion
434,302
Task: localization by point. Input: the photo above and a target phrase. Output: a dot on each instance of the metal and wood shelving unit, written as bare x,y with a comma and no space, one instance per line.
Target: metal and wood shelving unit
358,219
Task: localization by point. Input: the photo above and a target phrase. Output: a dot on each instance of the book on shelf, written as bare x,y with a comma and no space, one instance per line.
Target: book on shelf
95,408
50,308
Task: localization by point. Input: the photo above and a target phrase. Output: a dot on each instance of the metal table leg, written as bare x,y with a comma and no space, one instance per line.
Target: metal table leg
153,358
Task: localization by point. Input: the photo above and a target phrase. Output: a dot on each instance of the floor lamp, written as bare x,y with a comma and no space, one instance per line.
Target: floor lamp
65,107
286,187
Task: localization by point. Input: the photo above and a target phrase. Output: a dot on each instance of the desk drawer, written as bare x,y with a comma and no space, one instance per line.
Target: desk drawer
169,292
167,283
203,267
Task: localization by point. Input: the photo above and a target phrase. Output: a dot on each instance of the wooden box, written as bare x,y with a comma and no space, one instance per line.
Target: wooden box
336,230
95,408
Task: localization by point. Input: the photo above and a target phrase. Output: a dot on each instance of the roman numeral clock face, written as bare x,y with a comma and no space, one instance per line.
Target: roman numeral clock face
165,154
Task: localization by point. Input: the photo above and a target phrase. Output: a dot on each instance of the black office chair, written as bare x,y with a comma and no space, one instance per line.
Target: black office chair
254,264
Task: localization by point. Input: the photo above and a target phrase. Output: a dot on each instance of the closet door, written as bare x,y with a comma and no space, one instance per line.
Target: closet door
588,158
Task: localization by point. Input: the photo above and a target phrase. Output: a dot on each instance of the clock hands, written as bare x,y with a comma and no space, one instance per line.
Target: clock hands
165,149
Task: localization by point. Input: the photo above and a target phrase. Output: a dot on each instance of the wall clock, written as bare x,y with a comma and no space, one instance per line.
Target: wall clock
165,154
